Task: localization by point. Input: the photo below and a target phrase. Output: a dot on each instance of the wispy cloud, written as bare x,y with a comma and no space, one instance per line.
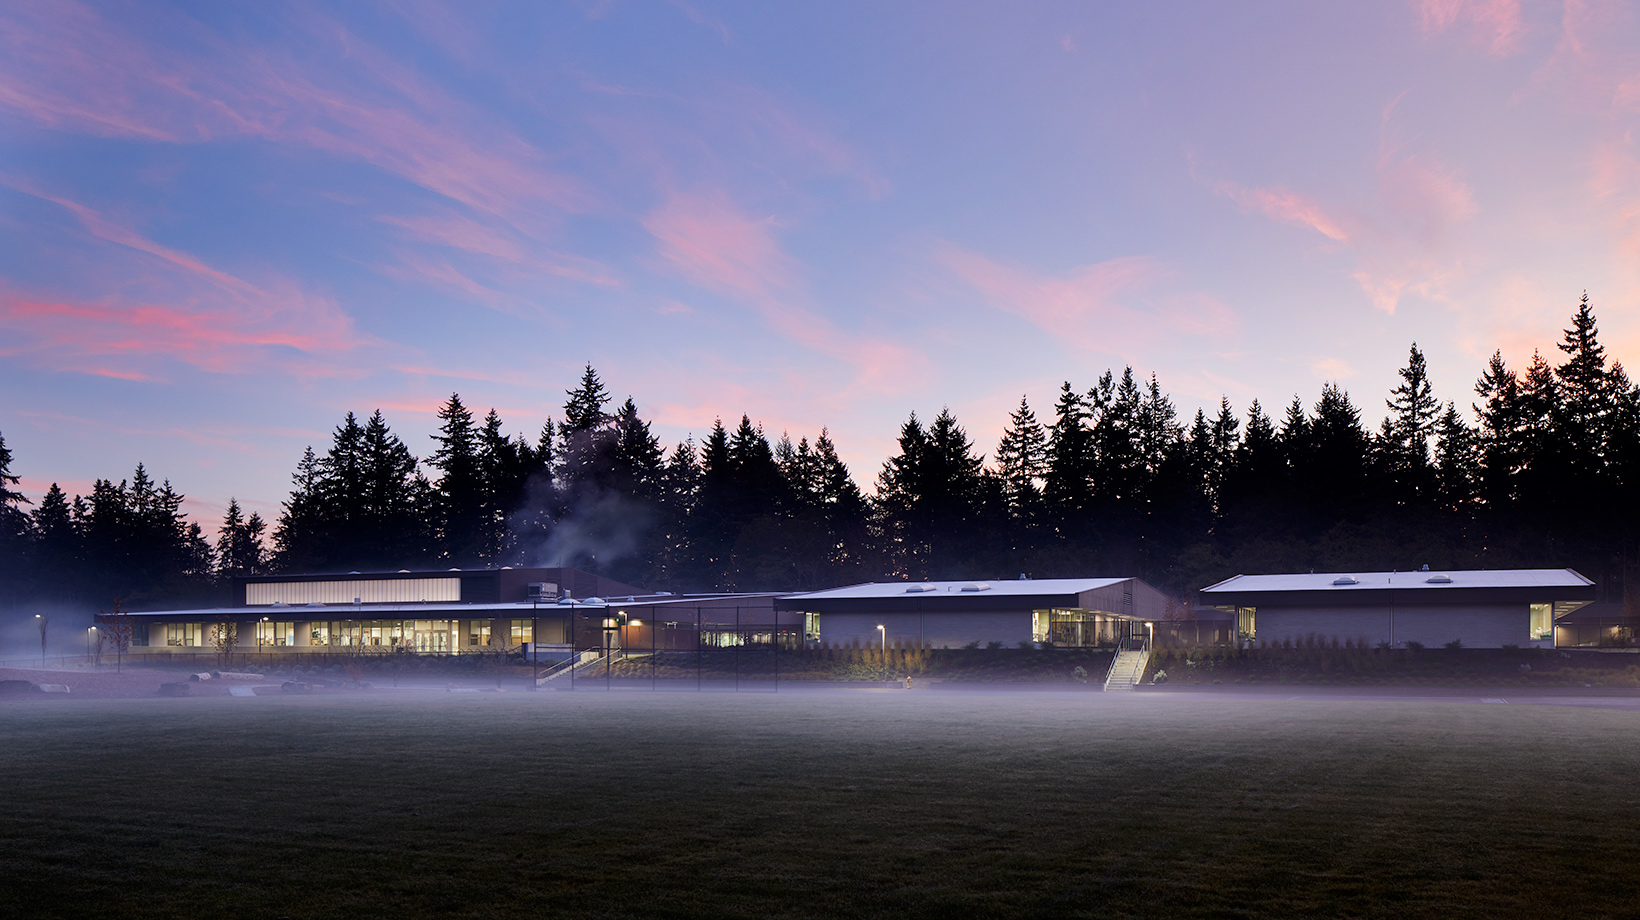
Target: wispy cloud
1398,242
716,246
1494,25
1287,207
66,66
172,306
1113,307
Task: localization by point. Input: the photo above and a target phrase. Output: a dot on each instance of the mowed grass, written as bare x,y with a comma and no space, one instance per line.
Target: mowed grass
830,804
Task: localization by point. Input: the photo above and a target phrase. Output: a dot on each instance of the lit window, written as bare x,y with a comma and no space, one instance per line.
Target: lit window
1543,621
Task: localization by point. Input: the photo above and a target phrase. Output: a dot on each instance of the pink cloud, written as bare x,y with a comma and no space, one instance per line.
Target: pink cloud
1287,207
65,66
502,246
716,246
208,339
169,304
1109,307
1493,24
105,229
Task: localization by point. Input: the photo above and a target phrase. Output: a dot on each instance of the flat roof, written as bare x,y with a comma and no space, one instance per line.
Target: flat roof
1015,587
457,610
1434,586
964,596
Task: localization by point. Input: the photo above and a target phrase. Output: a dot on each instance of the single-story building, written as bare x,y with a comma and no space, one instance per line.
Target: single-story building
456,612
1080,612
1486,608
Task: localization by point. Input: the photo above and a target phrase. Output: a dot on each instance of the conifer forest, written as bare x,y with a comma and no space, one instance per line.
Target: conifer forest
1538,467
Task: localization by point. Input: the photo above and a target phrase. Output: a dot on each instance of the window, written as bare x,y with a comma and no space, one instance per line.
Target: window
1244,623
278,634
185,635
478,632
523,632
1543,621
811,627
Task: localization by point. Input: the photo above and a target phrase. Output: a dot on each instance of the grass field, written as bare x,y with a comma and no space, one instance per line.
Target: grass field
851,803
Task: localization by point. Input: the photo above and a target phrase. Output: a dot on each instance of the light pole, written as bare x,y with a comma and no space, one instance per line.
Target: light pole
90,634
42,620
882,631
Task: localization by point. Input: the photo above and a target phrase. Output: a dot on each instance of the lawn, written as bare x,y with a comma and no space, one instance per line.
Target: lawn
824,803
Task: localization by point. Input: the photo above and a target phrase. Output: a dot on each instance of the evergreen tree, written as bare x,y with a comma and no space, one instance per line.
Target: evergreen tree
1071,458
56,555
14,529
638,458
930,496
585,409
1456,462
464,520
1022,462
296,535
1224,440
1498,440
239,549
1403,442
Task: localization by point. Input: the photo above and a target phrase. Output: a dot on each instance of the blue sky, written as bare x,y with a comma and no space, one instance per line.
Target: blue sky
222,226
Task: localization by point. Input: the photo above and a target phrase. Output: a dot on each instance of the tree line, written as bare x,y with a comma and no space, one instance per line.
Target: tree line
1541,469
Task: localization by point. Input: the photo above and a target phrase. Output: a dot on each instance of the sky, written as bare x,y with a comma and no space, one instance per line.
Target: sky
224,226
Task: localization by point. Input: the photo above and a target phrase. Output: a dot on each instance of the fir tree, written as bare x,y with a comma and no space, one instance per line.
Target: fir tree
1021,462
461,498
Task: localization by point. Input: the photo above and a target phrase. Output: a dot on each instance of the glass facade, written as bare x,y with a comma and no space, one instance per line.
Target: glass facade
1076,627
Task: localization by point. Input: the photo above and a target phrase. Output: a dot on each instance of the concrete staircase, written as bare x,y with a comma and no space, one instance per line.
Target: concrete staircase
587,661
1126,671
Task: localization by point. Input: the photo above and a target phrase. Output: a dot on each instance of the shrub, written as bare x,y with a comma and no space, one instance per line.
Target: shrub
1454,645
1080,674
993,644
1413,645
975,644
1383,645
1027,646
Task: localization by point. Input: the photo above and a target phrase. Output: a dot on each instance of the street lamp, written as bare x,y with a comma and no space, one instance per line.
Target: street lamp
42,620
90,634
882,631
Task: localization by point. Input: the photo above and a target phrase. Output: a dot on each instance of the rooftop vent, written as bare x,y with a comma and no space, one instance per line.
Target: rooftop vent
315,604
1439,579
977,586
404,571
595,600
919,589
1345,580
278,604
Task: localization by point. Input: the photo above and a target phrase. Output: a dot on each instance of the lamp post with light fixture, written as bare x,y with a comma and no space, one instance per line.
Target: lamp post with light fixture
43,619
882,632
